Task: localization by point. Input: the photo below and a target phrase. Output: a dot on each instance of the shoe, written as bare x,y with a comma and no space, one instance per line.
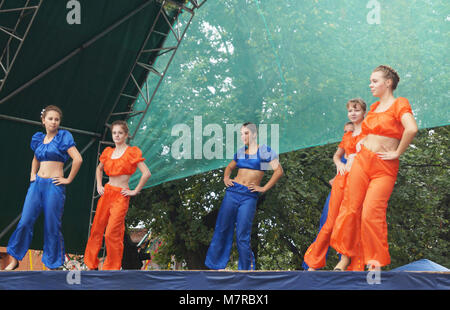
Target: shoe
342,264
9,268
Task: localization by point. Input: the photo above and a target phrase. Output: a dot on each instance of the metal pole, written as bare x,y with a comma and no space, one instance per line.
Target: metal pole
27,121
162,77
134,65
9,65
11,225
76,51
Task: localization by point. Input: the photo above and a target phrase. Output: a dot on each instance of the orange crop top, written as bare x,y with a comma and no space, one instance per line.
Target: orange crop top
349,142
125,164
387,123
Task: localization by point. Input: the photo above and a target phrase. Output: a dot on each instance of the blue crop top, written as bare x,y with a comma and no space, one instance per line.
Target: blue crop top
55,150
258,161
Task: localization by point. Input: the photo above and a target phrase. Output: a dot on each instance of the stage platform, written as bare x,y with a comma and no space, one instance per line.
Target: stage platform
223,280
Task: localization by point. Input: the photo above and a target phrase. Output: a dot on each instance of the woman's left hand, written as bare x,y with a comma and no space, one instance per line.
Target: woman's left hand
256,188
128,192
61,181
389,155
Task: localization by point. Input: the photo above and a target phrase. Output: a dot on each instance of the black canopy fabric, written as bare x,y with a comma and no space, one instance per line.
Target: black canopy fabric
82,68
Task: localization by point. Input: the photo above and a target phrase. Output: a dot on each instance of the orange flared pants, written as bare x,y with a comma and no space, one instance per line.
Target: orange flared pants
361,223
111,210
315,256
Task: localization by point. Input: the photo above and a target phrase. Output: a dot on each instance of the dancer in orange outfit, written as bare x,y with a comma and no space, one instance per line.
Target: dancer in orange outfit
389,128
315,256
119,164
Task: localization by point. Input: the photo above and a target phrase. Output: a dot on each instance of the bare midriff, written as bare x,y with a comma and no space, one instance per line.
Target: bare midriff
119,180
249,176
377,143
50,169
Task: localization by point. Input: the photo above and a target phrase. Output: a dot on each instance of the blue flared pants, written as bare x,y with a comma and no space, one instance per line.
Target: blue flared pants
42,196
237,211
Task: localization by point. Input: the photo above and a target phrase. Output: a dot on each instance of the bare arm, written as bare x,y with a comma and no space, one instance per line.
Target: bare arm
226,175
277,174
411,129
35,164
340,166
144,178
99,178
77,160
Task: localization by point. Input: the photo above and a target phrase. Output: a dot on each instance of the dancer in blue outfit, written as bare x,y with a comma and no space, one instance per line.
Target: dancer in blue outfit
239,204
46,192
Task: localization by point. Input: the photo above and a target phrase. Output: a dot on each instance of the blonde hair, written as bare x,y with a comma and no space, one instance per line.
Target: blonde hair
389,74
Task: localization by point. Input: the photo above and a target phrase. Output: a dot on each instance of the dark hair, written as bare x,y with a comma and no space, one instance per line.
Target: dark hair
251,126
121,123
389,74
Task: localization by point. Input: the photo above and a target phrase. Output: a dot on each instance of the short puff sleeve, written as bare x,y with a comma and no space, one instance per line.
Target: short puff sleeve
66,140
135,155
266,155
37,139
345,137
106,154
401,108
240,154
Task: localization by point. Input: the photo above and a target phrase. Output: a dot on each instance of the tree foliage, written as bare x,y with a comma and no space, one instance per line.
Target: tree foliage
183,212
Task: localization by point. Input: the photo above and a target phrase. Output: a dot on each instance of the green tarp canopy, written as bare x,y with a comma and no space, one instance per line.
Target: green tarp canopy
290,66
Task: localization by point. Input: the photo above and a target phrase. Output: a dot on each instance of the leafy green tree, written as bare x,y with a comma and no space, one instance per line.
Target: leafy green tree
418,214
183,212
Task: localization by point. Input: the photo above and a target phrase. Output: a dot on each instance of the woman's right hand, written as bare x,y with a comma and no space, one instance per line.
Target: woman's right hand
340,168
349,163
100,190
228,182
32,177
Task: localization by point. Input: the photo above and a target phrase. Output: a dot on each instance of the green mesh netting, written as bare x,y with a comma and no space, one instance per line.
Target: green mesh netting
290,65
